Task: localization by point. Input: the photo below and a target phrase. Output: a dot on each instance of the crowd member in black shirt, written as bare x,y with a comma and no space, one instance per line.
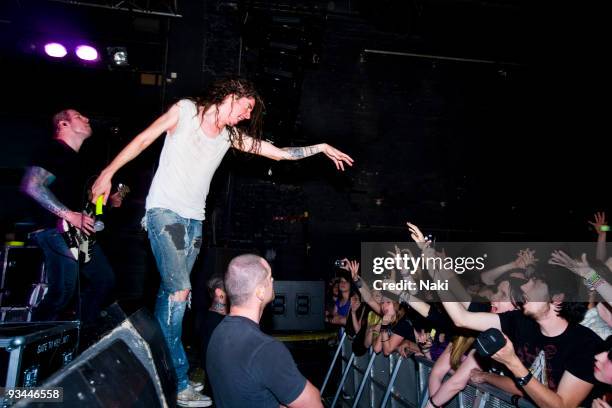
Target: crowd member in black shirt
545,331
213,316
57,181
246,367
357,324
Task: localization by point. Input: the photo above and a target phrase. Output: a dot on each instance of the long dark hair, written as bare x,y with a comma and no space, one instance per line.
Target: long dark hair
216,93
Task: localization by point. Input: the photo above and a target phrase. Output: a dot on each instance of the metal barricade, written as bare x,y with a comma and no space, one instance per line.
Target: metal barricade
373,380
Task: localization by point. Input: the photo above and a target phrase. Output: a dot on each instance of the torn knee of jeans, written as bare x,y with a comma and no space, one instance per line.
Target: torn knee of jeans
176,296
177,234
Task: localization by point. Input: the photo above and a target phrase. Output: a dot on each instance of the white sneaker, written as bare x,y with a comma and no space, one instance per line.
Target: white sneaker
191,398
197,386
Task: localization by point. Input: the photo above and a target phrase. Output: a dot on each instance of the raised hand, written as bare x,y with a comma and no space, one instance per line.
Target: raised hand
418,237
579,267
398,253
352,267
339,158
424,341
525,258
600,221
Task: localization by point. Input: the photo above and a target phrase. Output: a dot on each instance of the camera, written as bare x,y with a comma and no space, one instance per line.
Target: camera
340,263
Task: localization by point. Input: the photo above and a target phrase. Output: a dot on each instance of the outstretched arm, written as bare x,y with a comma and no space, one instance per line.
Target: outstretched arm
36,182
270,151
582,268
166,122
471,320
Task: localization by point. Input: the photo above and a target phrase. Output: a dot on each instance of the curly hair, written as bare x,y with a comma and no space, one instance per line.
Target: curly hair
216,93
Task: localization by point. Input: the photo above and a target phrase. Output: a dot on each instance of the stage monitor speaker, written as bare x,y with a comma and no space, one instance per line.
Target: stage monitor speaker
298,305
129,367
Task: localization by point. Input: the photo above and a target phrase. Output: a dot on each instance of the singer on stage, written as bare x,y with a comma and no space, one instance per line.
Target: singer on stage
199,131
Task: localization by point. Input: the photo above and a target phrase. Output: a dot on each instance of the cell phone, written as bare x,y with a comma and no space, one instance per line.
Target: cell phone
340,263
605,228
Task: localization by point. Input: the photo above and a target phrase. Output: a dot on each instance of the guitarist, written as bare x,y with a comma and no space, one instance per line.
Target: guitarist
56,180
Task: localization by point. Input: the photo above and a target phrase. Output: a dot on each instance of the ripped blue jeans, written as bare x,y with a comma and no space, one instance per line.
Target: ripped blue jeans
175,242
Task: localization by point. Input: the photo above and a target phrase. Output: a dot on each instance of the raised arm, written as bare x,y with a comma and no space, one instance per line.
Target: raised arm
165,123
471,320
362,285
600,221
270,151
524,258
36,182
582,268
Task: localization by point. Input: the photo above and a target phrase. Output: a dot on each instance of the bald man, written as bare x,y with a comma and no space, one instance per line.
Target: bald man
248,368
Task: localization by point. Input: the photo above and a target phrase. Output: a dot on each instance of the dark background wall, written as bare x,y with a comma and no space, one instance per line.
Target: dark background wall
503,142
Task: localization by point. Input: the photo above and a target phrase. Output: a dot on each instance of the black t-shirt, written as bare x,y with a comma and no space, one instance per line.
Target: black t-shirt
404,329
210,321
358,338
69,184
248,368
574,350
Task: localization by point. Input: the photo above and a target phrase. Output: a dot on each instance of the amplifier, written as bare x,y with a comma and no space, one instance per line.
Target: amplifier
297,306
31,352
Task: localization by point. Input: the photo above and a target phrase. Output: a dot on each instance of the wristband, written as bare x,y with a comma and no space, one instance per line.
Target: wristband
604,228
358,282
593,280
522,381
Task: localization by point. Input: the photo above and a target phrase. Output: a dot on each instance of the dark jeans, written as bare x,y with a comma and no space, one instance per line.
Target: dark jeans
98,279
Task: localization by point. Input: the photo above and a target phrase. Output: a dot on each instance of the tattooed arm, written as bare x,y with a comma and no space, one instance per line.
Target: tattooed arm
270,151
36,183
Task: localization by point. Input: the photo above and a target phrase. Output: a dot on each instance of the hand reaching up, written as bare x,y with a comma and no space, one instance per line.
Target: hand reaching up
600,221
579,267
417,236
352,267
525,257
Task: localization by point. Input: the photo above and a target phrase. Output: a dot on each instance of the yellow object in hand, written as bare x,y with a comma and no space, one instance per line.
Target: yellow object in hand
99,204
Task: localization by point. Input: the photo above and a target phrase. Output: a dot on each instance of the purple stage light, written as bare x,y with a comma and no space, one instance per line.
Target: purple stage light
87,53
55,50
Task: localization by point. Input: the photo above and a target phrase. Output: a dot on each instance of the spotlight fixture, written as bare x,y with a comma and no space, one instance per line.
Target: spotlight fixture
86,53
55,50
118,56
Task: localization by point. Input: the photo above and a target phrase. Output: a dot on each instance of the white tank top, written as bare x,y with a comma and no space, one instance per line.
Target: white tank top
187,164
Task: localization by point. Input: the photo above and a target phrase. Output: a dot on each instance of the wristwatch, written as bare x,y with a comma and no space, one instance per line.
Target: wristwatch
522,381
